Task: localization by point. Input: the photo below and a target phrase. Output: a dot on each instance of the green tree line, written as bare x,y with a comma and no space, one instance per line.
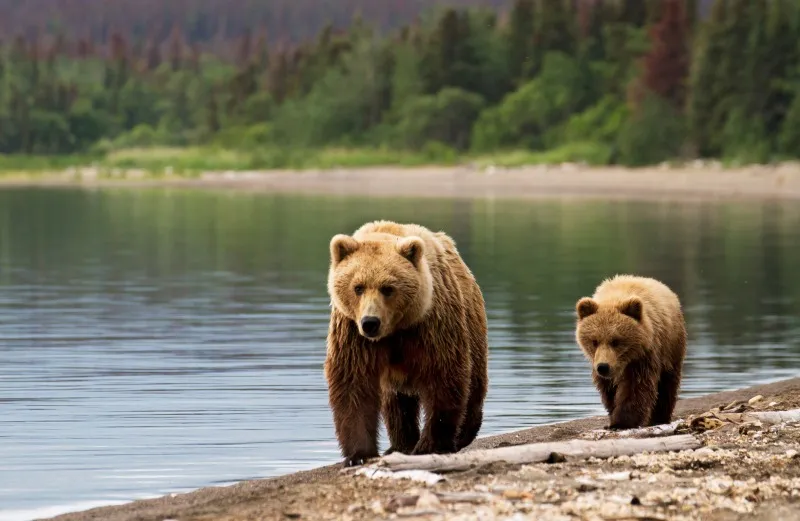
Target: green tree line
213,23
617,81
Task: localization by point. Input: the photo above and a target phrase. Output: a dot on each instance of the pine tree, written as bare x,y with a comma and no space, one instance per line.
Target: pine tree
522,52
666,66
634,12
592,18
176,46
212,112
450,58
556,27
783,58
440,53
278,80
733,75
245,49
117,72
713,83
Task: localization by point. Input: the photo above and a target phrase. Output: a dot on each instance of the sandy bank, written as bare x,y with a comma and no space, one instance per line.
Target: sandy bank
692,182
325,493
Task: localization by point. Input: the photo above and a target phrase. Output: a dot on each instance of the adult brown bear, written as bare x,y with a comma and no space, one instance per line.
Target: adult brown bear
407,327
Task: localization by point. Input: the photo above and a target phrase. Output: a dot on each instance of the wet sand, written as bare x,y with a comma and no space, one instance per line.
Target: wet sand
686,183
329,494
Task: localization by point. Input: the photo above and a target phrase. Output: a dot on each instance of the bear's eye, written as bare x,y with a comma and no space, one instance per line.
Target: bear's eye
614,343
387,291
359,289
594,343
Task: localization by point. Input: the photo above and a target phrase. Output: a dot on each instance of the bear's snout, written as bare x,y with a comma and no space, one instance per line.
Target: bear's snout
603,369
371,326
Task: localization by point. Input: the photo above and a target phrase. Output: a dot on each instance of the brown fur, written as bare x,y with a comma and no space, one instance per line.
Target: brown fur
431,348
636,326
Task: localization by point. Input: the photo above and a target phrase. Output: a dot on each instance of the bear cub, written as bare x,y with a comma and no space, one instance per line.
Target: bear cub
633,332
407,330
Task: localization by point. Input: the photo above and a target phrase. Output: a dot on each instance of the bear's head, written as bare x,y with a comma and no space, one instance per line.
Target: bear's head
611,334
381,282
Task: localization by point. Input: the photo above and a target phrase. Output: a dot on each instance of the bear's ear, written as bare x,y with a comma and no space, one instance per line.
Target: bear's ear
341,247
632,307
412,249
586,307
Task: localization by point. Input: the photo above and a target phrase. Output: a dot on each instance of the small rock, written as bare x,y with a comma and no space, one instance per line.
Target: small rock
530,473
515,494
755,399
720,485
586,485
556,457
791,453
427,500
376,507
398,502
418,513
616,476
747,428
734,406
703,424
551,496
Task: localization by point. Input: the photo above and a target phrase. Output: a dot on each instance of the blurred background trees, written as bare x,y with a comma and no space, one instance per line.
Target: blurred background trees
627,81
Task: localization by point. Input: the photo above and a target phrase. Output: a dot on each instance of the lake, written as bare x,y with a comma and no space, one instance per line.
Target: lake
156,341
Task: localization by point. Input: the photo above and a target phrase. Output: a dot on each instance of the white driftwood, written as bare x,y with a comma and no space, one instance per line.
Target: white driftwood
773,417
767,417
464,497
667,429
538,452
429,478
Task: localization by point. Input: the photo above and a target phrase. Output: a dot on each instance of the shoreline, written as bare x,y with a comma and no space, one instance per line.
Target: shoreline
694,182
264,498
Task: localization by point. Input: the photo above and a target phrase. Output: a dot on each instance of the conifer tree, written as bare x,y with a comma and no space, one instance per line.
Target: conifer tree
556,27
666,66
712,77
634,12
522,51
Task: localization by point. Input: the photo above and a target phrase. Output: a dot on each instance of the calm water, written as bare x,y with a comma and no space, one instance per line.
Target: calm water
156,341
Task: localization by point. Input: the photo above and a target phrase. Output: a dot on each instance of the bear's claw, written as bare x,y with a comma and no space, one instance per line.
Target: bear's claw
354,461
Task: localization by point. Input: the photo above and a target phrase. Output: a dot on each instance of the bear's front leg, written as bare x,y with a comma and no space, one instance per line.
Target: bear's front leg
445,407
355,403
607,391
401,414
634,399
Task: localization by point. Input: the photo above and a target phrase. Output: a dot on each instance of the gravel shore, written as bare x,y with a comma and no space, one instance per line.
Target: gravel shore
694,181
742,471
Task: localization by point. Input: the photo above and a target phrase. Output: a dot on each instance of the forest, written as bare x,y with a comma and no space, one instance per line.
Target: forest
628,82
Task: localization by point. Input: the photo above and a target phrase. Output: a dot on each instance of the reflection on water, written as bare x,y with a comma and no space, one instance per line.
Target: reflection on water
157,341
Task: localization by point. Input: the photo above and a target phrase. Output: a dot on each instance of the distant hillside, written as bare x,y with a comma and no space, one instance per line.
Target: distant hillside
207,20
203,21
